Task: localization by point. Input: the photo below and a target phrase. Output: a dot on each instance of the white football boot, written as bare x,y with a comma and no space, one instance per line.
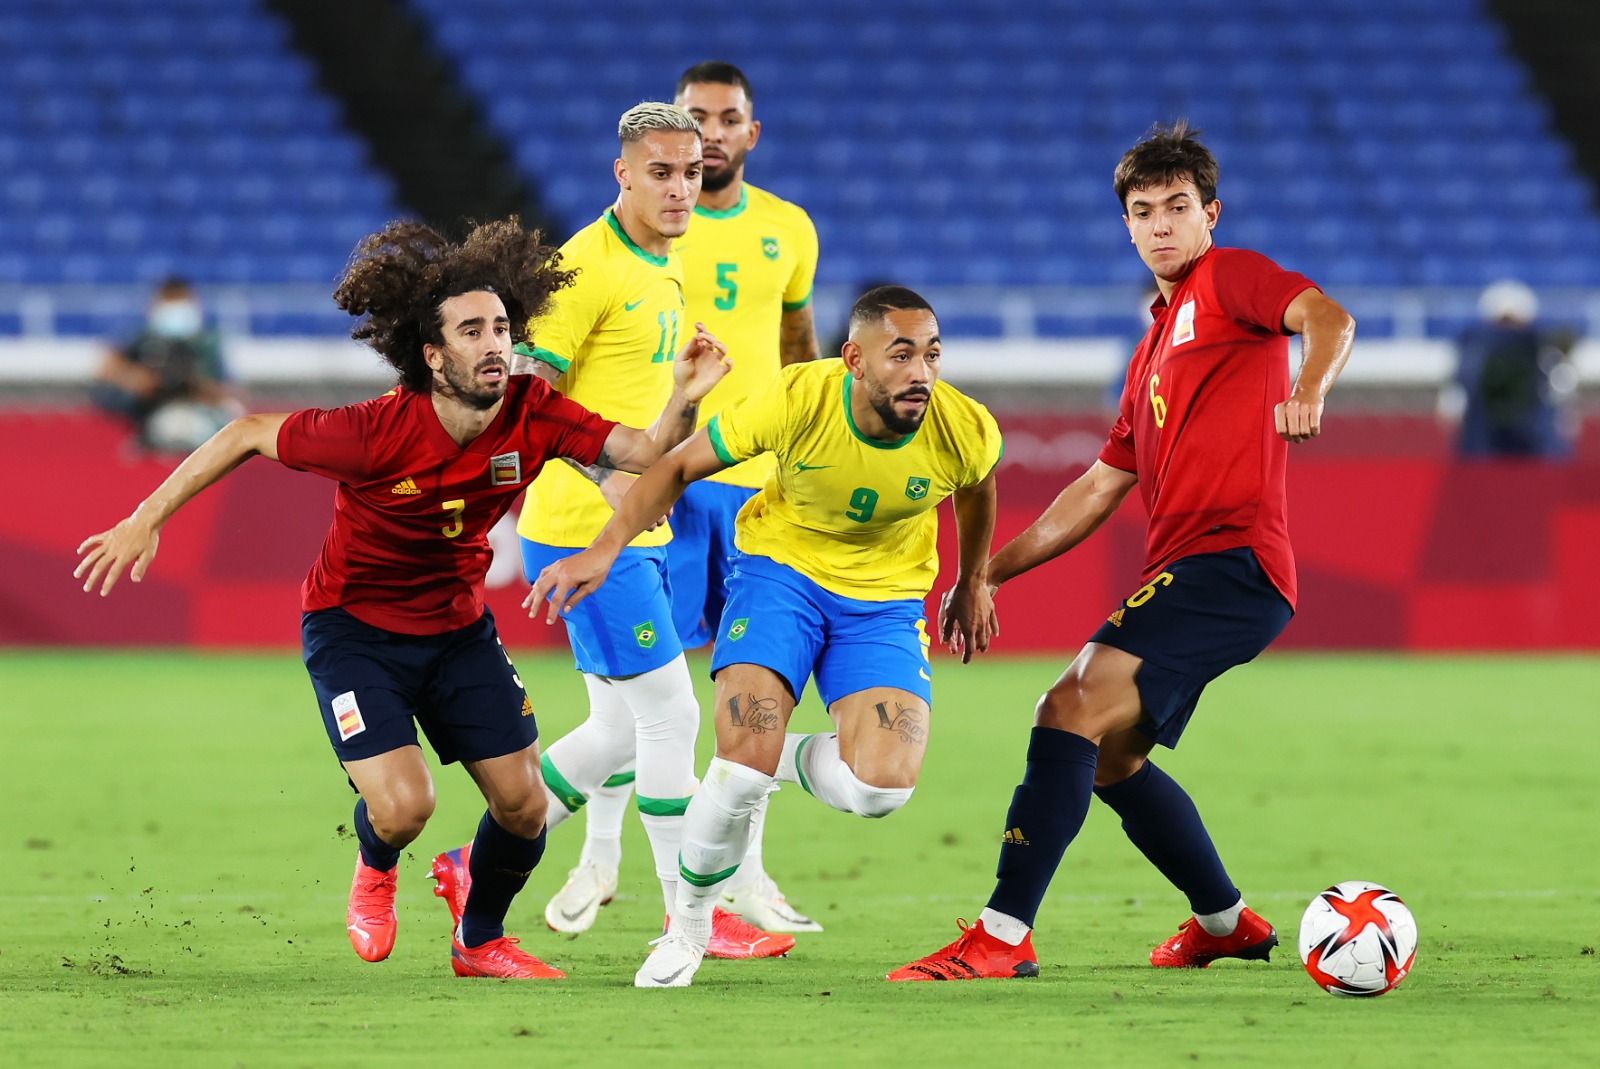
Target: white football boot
672,963
573,908
759,902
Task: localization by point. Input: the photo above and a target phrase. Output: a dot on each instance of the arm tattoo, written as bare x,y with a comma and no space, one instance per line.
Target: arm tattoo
797,338
598,472
906,722
760,715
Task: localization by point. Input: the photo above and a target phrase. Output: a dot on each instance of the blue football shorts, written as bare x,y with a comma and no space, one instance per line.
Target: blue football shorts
779,619
700,557
1199,617
625,627
375,686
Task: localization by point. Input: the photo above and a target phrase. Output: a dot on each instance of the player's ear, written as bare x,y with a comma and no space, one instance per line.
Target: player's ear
850,353
620,169
1213,210
755,134
432,355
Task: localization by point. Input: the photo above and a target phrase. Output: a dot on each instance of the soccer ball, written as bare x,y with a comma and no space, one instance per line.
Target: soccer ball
1358,939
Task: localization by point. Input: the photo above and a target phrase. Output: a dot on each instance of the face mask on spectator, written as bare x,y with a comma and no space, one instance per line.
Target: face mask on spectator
175,319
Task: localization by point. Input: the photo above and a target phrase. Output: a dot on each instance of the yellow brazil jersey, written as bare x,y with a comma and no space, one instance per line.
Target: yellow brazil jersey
853,514
742,269
613,334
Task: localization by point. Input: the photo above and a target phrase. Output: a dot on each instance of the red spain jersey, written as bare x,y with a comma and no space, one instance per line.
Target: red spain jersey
409,545
1196,423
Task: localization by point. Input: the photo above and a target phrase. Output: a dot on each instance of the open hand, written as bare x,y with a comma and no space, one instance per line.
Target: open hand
107,554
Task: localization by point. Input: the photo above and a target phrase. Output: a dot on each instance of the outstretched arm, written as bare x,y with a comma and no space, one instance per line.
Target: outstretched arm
1326,333
574,578
134,540
1073,516
967,620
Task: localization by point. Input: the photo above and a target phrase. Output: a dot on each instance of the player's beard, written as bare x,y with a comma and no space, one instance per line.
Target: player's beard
715,181
883,405
464,387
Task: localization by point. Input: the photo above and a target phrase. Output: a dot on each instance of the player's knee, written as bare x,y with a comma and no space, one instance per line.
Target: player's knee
398,816
523,813
878,791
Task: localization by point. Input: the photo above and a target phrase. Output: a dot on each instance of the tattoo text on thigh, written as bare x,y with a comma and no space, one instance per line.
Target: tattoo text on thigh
907,722
759,715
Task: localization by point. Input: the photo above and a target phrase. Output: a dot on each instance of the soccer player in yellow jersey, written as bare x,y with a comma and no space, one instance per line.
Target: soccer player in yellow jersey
749,259
838,550
609,343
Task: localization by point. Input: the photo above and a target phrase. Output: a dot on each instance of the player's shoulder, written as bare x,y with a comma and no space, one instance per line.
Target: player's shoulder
768,205
590,243
812,376
1228,260
959,410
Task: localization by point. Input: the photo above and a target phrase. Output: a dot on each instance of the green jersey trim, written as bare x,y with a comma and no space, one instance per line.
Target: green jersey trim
544,356
725,213
663,807
714,432
795,306
873,442
616,228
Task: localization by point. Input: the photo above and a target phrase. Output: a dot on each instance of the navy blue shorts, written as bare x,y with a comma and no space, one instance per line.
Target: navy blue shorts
1199,617
701,556
375,686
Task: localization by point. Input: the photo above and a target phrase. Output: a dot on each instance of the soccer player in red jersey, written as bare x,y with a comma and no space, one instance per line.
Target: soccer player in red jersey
394,625
1207,415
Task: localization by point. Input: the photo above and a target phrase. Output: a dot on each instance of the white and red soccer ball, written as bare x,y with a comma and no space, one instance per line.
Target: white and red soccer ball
1358,939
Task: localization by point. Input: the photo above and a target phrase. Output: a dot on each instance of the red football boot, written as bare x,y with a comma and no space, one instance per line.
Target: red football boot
451,881
1195,948
977,955
369,918
499,958
732,938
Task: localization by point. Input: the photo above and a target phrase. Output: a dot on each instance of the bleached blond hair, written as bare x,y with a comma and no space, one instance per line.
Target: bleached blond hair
652,115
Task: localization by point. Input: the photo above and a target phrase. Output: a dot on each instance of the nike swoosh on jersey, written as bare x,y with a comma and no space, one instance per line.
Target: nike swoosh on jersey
801,465
631,307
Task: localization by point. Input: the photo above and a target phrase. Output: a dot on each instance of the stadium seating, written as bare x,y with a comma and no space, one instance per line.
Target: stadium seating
1368,143
188,137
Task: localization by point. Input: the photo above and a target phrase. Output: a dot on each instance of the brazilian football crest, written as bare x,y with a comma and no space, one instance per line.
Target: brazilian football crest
645,634
769,248
916,488
737,629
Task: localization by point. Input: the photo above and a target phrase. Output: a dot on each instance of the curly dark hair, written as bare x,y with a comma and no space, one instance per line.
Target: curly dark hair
399,278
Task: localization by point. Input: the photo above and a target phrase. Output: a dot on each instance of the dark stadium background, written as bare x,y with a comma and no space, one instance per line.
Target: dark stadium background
1403,153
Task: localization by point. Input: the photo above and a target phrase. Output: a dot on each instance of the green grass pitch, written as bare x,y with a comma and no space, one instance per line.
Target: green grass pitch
174,871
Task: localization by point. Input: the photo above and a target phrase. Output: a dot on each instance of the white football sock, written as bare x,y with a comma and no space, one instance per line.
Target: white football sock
602,830
1220,924
715,834
586,755
824,774
1003,926
751,870
786,770
666,719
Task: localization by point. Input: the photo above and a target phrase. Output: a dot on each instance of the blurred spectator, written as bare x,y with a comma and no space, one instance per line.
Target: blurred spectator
169,380
1512,380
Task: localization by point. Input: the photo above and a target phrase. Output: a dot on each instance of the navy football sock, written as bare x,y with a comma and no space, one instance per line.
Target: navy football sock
500,865
1046,812
374,851
1163,823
